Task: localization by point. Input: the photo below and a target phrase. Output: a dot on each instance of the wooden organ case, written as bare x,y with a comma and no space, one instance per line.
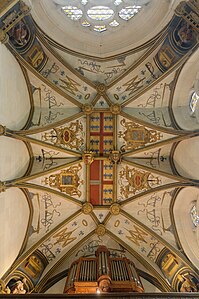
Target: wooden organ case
102,274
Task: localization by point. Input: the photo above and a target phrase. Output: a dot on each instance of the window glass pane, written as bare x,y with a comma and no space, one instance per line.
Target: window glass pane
100,28
194,216
129,11
193,101
95,16
84,2
100,13
86,24
72,12
114,23
117,2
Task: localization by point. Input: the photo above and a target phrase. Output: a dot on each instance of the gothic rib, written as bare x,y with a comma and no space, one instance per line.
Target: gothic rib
142,260
53,280
43,79
160,144
42,173
25,255
24,243
41,143
174,225
66,256
157,171
151,279
164,242
25,74
156,127
60,59
163,76
52,125
146,45
49,190
138,62
153,190
96,98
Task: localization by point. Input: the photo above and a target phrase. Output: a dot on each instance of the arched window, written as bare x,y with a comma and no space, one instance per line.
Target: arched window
194,216
193,101
100,17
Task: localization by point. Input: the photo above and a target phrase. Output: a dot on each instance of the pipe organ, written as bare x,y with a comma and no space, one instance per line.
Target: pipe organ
102,274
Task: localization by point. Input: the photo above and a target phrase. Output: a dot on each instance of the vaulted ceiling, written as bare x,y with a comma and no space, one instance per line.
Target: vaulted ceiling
98,143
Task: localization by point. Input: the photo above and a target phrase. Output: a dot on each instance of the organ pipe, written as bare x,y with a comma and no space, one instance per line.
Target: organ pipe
104,273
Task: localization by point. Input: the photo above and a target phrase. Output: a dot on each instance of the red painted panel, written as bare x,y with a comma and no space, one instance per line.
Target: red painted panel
94,194
95,171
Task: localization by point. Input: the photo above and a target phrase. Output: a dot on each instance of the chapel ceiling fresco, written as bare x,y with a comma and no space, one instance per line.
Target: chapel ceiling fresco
101,137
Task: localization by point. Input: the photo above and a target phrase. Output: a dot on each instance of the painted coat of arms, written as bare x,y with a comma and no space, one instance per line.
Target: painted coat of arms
136,135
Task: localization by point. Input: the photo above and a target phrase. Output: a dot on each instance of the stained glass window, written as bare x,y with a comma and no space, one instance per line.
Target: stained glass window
95,17
194,216
193,101
117,2
84,2
86,24
100,13
73,12
100,28
114,23
128,12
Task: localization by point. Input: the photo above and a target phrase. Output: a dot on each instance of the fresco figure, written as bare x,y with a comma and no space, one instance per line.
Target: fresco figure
188,284
185,33
17,286
19,34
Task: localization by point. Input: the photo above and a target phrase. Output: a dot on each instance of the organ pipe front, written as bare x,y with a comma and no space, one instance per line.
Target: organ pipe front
102,274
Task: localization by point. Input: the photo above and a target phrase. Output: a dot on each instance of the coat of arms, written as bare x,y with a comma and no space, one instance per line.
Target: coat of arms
67,180
136,135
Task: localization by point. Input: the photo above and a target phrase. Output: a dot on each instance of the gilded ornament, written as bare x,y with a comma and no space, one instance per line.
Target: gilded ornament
187,282
4,4
133,180
100,230
2,187
136,135
87,158
115,108
3,288
87,208
117,223
115,157
115,209
3,37
87,109
36,56
71,136
101,88
2,130
66,181
25,9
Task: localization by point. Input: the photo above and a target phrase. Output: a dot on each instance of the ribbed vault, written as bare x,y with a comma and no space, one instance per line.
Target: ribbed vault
97,154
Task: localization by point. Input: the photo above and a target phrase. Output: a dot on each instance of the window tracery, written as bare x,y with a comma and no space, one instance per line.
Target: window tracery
100,16
194,216
193,101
